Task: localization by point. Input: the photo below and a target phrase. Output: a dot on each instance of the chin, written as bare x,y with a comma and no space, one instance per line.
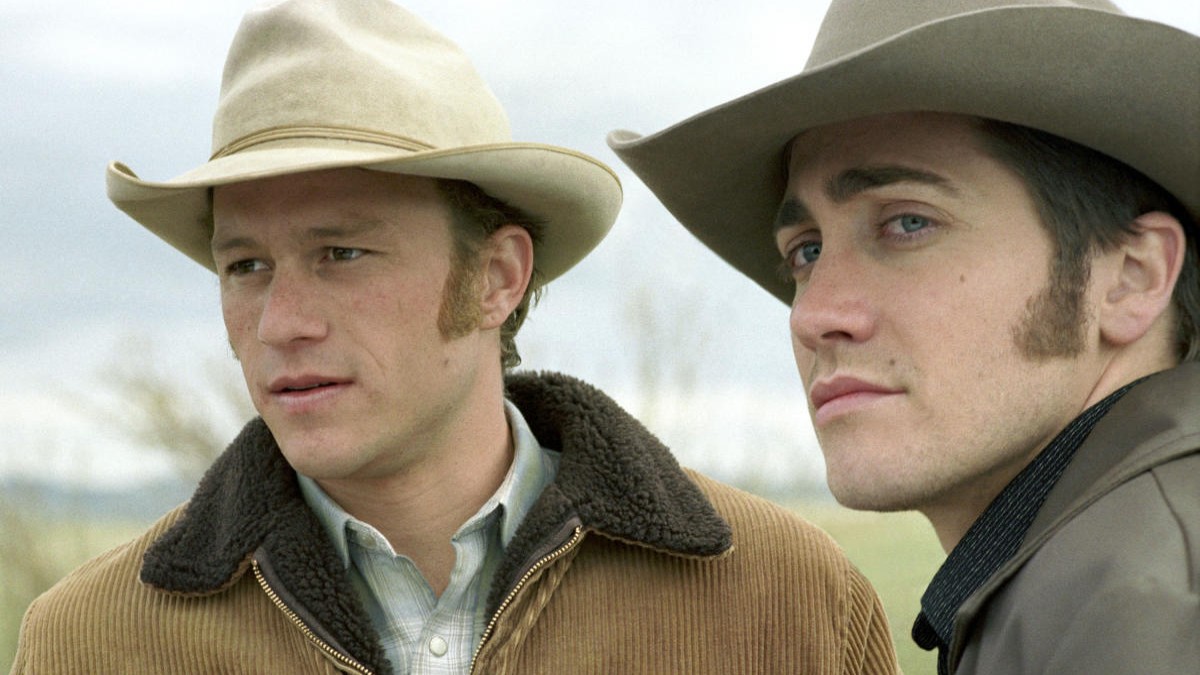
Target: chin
876,505
320,461
862,493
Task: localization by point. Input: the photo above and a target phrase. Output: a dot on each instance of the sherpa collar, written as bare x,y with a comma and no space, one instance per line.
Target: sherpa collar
615,477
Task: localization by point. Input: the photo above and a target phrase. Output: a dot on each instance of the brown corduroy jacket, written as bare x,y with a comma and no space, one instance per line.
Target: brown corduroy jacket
627,564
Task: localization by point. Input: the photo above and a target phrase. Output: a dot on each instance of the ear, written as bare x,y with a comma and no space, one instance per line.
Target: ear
509,265
1138,278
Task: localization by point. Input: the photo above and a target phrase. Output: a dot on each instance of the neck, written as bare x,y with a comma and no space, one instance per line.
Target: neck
420,507
951,518
953,515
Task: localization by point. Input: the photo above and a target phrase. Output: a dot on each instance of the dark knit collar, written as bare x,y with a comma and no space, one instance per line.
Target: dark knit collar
615,478
998,532
1153,424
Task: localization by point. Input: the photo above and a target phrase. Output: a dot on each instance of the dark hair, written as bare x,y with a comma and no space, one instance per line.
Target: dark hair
474,216
1088,201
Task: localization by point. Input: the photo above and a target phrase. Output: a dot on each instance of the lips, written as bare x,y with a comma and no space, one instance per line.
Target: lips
286,385
839,395
309,387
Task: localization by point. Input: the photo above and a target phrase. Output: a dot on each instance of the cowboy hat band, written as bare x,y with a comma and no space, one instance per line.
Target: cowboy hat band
1080,70
321,84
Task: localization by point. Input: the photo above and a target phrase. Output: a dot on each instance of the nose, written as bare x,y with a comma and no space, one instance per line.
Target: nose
290,311
833,305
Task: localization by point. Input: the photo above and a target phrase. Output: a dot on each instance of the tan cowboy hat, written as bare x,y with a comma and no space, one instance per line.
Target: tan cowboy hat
1081,70
318,84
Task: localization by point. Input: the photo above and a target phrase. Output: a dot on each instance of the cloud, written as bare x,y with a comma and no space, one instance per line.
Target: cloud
122,43
89,81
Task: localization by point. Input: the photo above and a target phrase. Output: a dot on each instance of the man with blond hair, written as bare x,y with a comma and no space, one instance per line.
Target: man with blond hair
403,504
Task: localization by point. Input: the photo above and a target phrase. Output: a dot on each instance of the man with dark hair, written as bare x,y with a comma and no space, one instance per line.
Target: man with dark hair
404,505
986,216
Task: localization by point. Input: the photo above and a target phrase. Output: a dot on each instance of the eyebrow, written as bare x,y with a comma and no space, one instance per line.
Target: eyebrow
791,212
857,180
352,227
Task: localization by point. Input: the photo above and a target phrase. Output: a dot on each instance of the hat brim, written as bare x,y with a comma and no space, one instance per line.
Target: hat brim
1123,86
575,197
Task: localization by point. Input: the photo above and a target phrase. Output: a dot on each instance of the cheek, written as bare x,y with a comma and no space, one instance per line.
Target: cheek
241,321
805,360
390,322
236,318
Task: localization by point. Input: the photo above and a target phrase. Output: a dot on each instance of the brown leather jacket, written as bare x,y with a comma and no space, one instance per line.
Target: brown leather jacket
1108,577
626,564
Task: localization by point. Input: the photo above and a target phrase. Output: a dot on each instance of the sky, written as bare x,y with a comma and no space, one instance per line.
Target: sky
651,311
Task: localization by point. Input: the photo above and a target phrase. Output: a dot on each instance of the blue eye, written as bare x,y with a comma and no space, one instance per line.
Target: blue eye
799,254
807,253
799,259
912,223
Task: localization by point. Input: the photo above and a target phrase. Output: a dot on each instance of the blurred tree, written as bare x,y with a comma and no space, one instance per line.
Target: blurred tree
159,409
668,340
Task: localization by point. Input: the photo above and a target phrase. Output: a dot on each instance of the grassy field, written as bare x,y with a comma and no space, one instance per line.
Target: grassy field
897,552
35,555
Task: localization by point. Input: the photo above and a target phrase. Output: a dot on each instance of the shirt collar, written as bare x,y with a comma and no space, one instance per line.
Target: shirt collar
532,469
997,534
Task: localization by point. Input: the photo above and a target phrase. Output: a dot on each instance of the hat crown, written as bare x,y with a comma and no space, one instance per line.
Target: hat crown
366,69
1081,70
853,25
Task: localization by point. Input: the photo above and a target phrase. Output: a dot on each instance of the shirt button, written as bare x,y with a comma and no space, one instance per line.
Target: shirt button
438,646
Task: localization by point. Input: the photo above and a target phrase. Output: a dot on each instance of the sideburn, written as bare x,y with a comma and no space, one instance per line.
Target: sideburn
460,313
1055,319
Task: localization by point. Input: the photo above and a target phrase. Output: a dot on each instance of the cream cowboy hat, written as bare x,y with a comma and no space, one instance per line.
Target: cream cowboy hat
312,84
1078,69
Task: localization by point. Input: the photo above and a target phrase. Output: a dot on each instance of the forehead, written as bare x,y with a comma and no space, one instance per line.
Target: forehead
919,139
345,189
340,206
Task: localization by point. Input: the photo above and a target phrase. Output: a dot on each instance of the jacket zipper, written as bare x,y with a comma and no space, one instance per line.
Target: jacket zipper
542,562
312,637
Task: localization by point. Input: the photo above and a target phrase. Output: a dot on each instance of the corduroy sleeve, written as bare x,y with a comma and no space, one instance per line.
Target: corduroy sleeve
868,641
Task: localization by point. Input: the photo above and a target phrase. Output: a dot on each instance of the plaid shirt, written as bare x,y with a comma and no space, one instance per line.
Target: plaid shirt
421,633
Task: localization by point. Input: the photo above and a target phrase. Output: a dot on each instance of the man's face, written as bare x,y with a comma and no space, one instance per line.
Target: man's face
921,272
332,284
